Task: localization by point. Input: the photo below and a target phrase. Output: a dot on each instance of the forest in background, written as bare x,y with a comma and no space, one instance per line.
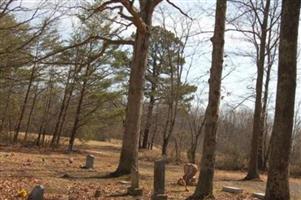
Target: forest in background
77,86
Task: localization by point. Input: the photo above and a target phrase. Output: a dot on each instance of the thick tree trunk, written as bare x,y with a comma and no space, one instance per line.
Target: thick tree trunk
278,174
6,108
257,120
205,184
129,151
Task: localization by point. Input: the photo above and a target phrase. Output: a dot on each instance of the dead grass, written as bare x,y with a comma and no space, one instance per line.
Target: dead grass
22,167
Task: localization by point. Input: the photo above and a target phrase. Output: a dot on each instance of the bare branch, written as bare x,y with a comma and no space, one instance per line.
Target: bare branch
179,9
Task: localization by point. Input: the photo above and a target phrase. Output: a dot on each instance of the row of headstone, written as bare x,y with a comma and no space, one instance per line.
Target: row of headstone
135,190
159,182
38,191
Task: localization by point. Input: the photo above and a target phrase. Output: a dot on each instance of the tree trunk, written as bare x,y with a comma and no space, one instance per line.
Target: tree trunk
264,151
148,122
62,108
262,159
46,113
30,113
24,104
191,153
64,113
257,120
205,184
154,133
278,174
168,136
78,109
129,151
178,150
164,147
195,142
61,127
152,100
6,108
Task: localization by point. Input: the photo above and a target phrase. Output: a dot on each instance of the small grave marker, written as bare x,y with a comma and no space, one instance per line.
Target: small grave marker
135,190
259,195
89,162
234,190
37,193
159,181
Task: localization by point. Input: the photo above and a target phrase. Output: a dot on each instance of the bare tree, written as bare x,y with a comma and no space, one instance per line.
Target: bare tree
262,17
205,183
24,105
278,174
142,19
257,125
33,104
196,122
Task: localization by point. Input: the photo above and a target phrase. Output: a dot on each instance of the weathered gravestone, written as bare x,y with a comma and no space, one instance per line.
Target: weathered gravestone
135,190
89,162
37,193
234,190
259,195
159,181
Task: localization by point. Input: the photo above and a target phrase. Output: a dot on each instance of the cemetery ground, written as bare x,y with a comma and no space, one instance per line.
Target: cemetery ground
22,168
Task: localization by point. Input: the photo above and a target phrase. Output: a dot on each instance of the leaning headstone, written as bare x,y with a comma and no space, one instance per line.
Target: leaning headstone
234,190
135,190
159,181
259,195
37,193
89,162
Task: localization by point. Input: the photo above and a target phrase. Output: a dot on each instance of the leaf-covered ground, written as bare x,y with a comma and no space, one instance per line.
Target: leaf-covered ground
60,173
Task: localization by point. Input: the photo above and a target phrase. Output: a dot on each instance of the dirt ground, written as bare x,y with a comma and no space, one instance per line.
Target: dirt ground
60,173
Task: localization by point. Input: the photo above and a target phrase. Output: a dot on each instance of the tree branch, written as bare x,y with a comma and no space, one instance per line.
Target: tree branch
179,9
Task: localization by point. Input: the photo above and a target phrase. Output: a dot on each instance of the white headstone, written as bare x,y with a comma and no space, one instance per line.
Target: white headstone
259,195
234,190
